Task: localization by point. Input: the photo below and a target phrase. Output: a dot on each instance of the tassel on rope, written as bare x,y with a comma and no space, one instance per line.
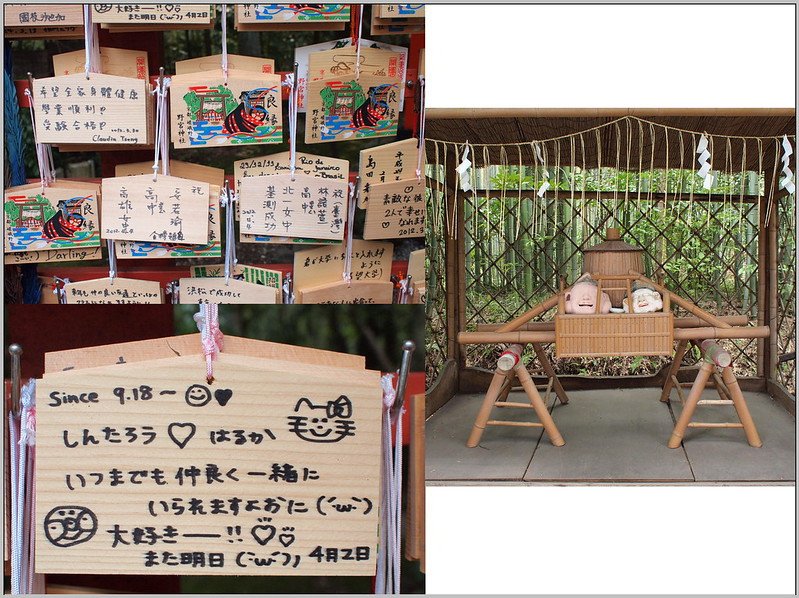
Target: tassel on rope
358,43
545,175
207,320
787,180
387,579
293,109
91,42
44,157
112,260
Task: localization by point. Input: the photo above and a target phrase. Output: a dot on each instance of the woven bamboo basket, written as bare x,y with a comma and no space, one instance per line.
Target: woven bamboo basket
614,335
613,257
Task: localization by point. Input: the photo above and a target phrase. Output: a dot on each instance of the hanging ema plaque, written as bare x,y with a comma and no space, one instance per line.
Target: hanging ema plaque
271,469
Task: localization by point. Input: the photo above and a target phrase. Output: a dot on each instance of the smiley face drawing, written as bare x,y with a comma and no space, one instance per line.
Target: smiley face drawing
70,525
198,395
328,422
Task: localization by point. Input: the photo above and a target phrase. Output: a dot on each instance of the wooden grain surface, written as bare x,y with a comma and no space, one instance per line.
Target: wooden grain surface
113,61
416,266
256,396
396,210
234,61
306,206
53,255
386,163
178,168
112,109
216,290
121,291
359,293
157,14
322,265
169,209
39,15
190,344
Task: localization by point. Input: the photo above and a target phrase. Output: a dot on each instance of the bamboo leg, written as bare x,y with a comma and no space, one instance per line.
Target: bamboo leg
679,354
540,409
690,404
485,409
509,378
739,403
550,372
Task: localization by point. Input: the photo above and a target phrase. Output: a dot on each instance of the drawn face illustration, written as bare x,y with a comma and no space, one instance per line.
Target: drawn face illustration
198,395
70,525
328,422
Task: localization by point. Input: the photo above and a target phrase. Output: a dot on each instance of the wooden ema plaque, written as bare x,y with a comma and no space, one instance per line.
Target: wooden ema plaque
234,61
402,11
168,210
354,293
206,112
345,108
305,207
216,290
291,13
54,255
103,109
396,210
63,216
183,170
371,262
152,14
43,21
213,248
386,163
395,26
113,61
302,56
251,274
119,291
146,468
322,167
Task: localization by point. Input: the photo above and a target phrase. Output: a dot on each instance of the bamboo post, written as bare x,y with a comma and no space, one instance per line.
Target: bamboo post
485,409
538,404
452,273
741,408
773,290
690,404
684,303
679,355
414,548
762,278
550,372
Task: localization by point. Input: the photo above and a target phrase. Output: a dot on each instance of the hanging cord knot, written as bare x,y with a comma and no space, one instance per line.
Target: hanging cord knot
207,320
27,399
389,392
347,274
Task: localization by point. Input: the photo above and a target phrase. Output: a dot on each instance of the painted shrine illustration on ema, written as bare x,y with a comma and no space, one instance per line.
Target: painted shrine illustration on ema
32,222
301,12
214,113
348,109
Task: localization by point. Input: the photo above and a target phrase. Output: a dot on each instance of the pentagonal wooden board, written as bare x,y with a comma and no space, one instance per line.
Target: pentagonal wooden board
156,14
117,291
371,262
272,469
356,293
113,61
234,61
217,290
396,210
104,109
207,111
385,163
291,13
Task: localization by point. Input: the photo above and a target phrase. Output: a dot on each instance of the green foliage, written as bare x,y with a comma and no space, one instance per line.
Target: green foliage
11,209
327,98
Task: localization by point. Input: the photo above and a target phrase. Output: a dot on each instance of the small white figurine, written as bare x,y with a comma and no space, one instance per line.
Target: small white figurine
645,300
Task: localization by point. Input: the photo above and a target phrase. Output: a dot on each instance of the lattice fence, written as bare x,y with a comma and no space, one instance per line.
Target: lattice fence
786,291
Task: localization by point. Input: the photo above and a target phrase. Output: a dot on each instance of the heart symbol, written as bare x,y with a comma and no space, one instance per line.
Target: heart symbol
222,395
286,539
263,533
181,433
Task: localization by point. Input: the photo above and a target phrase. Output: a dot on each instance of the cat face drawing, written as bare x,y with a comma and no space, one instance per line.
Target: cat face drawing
327,422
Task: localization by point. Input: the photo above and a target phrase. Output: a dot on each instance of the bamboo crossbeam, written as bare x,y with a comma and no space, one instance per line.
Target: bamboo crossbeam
709,332
714,425
496,422
512,404
684,303
546,336
530,314
678,323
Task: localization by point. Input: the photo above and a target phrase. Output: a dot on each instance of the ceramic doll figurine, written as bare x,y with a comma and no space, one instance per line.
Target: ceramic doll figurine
645,300
581,298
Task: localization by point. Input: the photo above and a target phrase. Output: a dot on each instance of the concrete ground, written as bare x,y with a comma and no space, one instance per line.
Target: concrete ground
611,436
